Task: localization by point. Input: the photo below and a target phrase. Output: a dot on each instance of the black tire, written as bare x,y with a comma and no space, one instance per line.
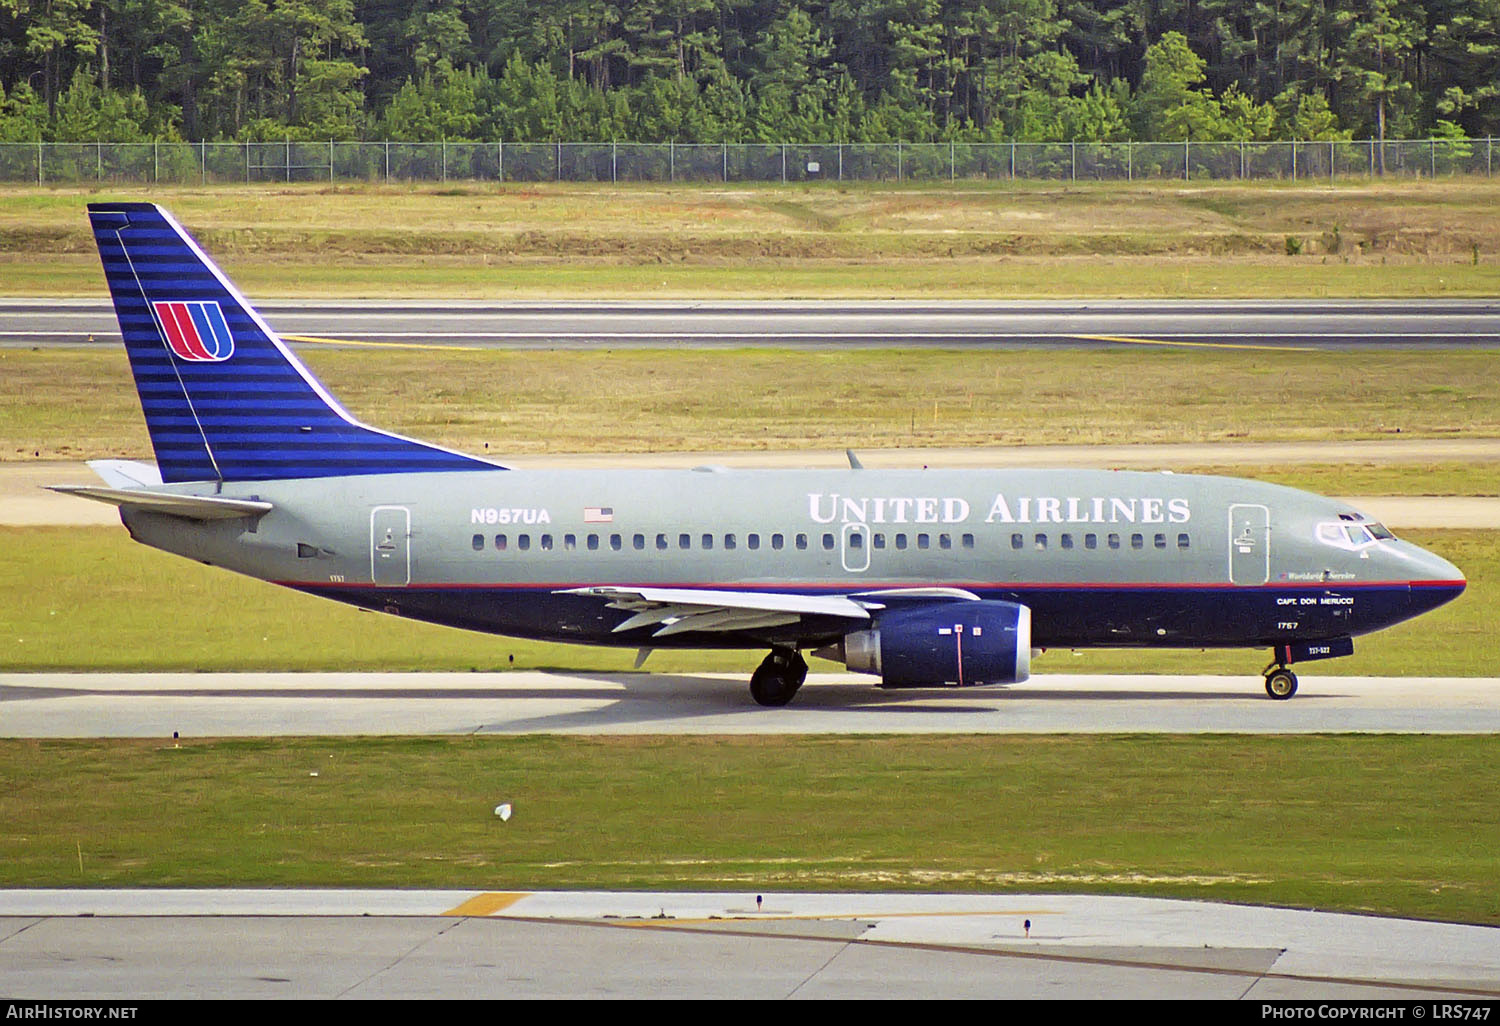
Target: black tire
1281,684
771,686
776,680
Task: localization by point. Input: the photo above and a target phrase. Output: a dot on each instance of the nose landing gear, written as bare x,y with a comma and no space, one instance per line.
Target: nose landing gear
778,677
1281,683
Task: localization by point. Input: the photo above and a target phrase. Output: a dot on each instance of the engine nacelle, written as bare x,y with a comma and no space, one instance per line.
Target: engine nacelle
961,644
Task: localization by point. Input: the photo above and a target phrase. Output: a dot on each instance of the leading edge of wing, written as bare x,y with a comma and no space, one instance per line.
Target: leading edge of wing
680,610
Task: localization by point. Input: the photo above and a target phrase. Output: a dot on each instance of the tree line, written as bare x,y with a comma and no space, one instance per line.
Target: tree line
748,70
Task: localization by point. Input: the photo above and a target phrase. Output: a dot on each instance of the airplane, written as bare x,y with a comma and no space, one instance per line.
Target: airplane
922,578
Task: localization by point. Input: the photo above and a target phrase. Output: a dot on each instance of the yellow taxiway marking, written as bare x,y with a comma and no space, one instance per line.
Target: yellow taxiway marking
487,904
373,345
1195,345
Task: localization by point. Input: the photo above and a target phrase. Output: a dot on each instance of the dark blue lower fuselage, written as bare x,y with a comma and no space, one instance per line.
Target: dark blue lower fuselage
1065,616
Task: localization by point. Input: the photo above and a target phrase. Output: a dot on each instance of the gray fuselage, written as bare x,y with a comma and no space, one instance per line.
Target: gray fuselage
1101,557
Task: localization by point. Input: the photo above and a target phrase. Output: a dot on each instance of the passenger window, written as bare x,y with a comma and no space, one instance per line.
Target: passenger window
856,539
546,543
570,542
478,542
1160,541
1114,541
901,541
1091,541
1017,541
523,542
1182,541
500,542
593,542
661,542
684,541
968,541
752,541
1066,541
801,541
638,542
615,541
708,541
777,541
945,541
828,541
729,541
923,541
880,541
1137,541
1041,541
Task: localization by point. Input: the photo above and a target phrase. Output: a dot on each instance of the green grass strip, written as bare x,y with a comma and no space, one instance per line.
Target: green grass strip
1397,825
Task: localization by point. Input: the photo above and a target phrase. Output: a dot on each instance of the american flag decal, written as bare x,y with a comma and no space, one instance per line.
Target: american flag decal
195,331
598,514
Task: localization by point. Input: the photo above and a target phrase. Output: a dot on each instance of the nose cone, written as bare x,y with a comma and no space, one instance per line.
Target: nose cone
1434,580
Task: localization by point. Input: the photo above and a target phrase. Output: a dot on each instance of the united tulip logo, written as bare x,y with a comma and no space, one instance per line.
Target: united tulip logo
196,332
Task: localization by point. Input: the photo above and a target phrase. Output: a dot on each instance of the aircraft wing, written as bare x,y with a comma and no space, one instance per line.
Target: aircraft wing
193,507
679,610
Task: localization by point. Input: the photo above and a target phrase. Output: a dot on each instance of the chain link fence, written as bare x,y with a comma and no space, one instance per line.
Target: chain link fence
203,163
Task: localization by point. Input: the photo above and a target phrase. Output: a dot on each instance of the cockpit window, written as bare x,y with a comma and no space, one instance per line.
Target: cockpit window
1379,532
1351,533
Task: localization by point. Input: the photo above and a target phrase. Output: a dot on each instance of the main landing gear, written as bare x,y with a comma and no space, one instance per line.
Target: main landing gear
778,677
1281,683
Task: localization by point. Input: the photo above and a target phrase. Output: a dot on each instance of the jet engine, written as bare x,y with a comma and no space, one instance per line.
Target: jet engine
961,644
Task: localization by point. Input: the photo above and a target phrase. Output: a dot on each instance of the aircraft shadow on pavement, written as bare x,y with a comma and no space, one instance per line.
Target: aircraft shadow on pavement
638,699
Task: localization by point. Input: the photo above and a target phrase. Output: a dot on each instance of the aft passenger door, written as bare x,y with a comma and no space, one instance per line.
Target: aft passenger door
1249,544
390,546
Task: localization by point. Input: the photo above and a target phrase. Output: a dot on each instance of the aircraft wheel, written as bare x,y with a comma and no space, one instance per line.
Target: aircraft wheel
1281,683
776,680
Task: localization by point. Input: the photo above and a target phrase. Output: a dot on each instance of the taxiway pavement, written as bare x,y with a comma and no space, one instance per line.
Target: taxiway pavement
196,705
133,945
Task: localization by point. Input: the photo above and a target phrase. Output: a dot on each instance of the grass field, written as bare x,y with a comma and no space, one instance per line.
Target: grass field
986,240
1401,825
82,403
90,599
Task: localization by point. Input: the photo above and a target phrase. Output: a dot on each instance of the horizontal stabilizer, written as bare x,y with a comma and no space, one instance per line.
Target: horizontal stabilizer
193,507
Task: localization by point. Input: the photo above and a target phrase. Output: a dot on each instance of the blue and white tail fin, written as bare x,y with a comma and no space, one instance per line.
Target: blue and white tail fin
224,398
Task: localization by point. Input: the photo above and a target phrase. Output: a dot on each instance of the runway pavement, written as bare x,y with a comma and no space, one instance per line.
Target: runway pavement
142,945
1275,324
